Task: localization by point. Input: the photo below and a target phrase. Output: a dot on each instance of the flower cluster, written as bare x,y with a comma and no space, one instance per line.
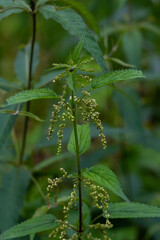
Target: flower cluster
89,112
52,184
64,224
100,199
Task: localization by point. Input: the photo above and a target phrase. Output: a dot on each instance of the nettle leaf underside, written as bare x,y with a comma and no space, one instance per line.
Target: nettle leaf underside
104,177
132,210
33,94
119,75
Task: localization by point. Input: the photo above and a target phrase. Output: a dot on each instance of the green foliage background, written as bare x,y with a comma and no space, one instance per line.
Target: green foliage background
130,35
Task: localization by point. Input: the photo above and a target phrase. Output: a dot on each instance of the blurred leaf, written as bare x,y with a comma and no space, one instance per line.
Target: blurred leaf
8,12
150,27
84,12
74,24
6,123
132,210
28,95
12,3
119,75
84,139
21,65
48,78
47,162
77,50
33,225
132,46
124,233
41,2
120,62
22,113
148,158
130,112
6,85
104,177
14,185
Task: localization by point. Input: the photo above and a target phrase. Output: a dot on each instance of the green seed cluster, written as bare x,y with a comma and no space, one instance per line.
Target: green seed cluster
90,113
57,115
52,184
100,198
64,224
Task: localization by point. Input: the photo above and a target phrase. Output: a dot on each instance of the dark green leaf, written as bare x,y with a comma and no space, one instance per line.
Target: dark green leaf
6,124
150,27
104,177
28,95
132,45
6,85
22,113
80,7
70,81
132,210
41,2
14,185
120,75
84,139
12,3
33,225
47,162
21,65
120,62
48,78
75,25
6,13
77,50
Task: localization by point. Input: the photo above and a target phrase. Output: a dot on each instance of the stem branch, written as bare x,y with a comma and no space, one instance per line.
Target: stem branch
78,166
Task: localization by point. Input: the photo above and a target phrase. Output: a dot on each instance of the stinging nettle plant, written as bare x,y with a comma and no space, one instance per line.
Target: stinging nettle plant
74,106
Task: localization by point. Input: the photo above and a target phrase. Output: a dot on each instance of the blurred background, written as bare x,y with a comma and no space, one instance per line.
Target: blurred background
129,35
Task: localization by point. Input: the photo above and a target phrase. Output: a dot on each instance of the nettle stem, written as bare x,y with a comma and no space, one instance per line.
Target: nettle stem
78,165
32,5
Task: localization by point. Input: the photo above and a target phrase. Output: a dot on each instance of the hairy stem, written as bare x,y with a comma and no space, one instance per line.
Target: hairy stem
78,166
32,5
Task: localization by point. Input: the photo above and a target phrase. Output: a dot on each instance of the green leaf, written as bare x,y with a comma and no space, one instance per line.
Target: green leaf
120,62
6,123
49,161
39,212
48,78
132,46
83,11
21,65
77,50
119,75
22,113
84,139
104,177
12,3
74,24
33,225
150,27
130,110
132,210
41,2
70,81
6,85
28,95
8,12
14,185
